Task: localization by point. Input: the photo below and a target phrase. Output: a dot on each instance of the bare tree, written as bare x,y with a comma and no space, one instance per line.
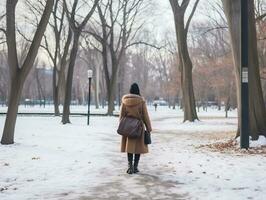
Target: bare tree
257,111
76,28
119,28
92,57
56,48
58,54
188,98
18,74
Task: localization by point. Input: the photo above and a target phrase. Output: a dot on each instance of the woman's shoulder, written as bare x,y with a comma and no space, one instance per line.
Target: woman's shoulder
132,99
127,96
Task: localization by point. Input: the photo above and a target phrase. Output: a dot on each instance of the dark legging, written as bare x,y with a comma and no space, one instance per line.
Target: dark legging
130,157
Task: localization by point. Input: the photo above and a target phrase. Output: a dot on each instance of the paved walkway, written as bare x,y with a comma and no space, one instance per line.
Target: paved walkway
177,169
148,184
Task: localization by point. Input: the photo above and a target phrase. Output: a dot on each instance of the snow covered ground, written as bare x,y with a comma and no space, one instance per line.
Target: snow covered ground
50,109
75,161
84,109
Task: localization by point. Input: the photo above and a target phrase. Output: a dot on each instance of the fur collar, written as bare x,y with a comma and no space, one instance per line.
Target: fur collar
132,100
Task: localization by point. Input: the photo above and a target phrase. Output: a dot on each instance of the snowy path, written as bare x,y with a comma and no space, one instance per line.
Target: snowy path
177,169
148,184
52,161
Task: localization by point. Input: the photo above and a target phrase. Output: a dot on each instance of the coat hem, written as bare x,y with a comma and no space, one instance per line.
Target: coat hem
134,152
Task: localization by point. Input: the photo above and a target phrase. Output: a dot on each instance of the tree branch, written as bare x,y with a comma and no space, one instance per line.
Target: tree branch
82,25
191,15
3,30
33,50
11,37
146,44
214,28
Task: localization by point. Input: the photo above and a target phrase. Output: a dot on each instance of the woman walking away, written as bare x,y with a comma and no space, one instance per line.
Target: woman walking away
134,106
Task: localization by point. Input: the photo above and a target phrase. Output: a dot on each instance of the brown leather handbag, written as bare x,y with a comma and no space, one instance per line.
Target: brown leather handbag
130,127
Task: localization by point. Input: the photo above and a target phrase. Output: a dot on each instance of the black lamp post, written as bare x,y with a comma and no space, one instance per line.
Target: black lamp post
90,73
244,129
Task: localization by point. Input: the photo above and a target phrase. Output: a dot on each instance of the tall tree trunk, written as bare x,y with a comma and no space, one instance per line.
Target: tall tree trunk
97,87
122,74
188,97
63,68
109,80
232,12
103,92
55,93
111,104
68,89
256,106
112,85
111,96
227,106
19,74
257,111
41,95
11,116
77,30
228,99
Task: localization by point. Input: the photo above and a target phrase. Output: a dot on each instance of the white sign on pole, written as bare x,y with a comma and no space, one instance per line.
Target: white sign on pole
245,75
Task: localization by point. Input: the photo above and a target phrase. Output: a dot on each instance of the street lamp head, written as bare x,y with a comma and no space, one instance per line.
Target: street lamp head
90,73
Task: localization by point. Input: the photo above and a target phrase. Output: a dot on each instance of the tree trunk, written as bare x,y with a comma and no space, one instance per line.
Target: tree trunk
102,90
63,68
227,106
112,88
56,101
110,80
111,97
55,93
232,12
11,117
62,86
68,89
188,97
257,111
256,103
97,87
19,74
111,103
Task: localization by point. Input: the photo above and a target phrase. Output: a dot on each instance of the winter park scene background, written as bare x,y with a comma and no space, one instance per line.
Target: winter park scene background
65,66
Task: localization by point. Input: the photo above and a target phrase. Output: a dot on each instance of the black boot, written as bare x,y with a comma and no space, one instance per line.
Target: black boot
130,165
136,163
130,169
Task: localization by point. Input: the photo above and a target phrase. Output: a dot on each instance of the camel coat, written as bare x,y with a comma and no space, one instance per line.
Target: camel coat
135,106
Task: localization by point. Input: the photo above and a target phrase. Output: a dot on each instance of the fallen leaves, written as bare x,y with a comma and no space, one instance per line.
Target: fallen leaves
220,146
231,146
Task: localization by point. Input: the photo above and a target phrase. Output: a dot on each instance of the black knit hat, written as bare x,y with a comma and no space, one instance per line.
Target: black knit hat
134,89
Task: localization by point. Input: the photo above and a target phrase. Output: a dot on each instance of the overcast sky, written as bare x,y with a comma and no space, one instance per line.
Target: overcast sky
163,20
